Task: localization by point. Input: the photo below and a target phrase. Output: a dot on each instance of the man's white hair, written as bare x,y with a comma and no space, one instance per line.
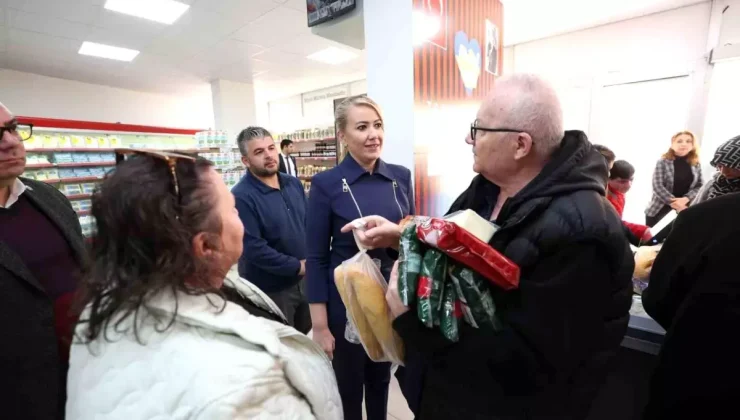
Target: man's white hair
528,103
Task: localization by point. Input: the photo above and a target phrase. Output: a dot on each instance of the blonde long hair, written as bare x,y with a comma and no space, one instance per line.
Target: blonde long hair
692,157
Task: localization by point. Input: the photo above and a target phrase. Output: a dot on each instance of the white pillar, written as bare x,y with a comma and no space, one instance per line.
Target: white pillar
390,74
233,106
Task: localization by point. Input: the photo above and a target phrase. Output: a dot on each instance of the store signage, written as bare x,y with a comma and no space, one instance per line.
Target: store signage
328,93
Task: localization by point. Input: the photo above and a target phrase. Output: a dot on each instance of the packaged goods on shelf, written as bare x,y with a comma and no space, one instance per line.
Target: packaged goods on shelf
37,159
223,160
81,205
306,186
310,170
307,134
211,139
88,225
232,177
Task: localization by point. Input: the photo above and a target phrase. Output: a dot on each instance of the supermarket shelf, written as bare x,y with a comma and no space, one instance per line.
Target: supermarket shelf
82,212
84,164
70,149
70,180
79,196
93,126
316,158
69,165
309,140
110,150
305,177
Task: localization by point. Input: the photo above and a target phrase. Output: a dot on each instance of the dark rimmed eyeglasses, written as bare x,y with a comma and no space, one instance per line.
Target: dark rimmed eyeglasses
23,131
169,157
475,128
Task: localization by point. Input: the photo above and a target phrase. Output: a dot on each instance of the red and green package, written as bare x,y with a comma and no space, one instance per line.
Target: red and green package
465,248
475,297
449,314
430,287
409,264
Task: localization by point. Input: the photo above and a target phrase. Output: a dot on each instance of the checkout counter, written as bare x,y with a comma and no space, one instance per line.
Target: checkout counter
643,333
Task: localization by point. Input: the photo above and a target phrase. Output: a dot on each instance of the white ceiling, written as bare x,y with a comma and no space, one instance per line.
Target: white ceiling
260,41
264,42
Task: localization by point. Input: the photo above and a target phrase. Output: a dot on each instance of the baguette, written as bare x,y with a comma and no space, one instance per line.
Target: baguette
371,297
344,277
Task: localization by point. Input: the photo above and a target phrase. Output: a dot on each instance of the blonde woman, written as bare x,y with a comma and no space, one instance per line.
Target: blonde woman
677,178
361,185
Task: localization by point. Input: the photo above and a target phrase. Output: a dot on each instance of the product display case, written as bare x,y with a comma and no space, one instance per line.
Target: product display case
315,151
74,156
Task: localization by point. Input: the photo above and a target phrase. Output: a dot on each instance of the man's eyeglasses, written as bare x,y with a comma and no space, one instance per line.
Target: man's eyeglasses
23,131
475,128
169,157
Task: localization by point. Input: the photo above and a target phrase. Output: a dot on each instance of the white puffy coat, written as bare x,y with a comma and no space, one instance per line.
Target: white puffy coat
208,365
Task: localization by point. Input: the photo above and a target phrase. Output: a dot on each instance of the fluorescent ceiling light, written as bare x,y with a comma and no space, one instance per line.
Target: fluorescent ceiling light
332,55
163,11
106,51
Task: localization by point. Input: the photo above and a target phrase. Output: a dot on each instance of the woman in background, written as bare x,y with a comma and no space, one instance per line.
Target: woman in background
362,184
727,179
165,334
676,179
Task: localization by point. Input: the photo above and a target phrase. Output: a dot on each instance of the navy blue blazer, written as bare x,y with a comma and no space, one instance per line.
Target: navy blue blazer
274,231
387,192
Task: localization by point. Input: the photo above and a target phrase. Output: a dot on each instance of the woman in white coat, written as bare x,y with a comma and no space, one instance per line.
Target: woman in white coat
165,331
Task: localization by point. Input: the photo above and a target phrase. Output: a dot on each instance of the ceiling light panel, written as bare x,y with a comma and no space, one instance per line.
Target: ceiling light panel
107,51
332,55
163,11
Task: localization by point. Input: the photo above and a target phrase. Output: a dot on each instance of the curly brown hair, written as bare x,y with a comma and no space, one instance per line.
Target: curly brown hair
143,243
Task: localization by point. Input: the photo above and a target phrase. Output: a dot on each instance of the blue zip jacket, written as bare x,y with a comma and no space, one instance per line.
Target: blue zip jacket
274,238
386,192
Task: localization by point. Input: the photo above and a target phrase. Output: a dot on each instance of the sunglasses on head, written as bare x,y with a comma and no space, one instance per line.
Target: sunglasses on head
170,157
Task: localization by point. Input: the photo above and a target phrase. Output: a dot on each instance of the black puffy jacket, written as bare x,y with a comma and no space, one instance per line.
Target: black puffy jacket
564,323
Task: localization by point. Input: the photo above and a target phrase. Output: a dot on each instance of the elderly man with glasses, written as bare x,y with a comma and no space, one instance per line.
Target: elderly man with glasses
41,253
544,187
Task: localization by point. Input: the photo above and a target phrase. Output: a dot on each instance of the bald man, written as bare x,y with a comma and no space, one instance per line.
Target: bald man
544,187
41,253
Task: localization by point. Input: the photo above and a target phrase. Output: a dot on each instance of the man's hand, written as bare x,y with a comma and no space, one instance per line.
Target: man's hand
302,271
393,297
378,232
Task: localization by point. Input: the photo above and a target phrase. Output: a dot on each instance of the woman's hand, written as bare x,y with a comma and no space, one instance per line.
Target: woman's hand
680,203
378,232
393,297
322,336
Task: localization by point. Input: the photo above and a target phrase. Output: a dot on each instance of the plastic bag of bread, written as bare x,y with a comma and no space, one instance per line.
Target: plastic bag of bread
362,289
644,259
